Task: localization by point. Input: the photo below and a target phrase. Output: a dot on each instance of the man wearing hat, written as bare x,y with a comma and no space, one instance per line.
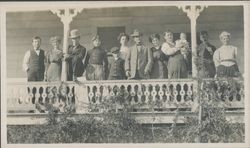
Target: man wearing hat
75,56
139,59
96,61
117,71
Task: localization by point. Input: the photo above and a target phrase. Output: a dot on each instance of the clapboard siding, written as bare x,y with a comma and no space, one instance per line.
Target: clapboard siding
22,26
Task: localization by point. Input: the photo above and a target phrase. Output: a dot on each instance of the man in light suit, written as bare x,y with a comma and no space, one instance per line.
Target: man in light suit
139,59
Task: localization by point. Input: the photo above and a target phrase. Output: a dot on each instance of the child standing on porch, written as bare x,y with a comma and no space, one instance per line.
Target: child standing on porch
117,70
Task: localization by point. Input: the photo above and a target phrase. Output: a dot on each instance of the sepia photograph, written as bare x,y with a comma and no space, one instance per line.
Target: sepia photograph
124,73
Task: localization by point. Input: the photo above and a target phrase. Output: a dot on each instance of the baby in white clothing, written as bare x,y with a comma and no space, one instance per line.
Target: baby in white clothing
183,44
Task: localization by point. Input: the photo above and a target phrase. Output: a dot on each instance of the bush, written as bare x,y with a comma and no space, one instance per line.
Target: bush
118,126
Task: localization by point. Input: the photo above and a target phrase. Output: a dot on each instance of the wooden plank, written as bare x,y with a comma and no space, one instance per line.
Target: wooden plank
141,117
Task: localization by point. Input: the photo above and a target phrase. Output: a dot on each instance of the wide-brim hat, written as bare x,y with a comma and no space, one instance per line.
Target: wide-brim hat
136,33
74,33
114,50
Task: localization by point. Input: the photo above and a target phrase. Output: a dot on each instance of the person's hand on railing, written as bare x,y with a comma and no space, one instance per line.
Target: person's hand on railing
66,56
128,74
146,72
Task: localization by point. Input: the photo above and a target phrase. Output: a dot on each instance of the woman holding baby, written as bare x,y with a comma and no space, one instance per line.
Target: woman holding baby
176,65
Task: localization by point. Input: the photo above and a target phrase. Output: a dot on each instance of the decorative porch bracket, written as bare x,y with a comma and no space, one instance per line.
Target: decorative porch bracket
193,13
66,16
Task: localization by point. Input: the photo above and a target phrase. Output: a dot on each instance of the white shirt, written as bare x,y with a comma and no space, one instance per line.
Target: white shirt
225,55
26,59
168,48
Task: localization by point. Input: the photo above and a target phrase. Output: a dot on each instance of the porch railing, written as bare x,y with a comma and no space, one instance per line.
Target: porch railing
143,95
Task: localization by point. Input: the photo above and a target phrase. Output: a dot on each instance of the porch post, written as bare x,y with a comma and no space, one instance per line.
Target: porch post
66,16
193,13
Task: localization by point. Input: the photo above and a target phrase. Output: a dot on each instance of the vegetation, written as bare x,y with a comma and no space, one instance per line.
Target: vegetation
119,126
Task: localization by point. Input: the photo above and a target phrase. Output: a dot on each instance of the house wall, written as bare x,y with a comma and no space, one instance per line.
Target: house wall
22,26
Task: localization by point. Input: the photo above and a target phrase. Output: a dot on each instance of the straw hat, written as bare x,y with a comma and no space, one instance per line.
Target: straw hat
74,33
136,33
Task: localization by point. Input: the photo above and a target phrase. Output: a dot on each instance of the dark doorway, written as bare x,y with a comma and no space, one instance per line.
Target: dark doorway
109,36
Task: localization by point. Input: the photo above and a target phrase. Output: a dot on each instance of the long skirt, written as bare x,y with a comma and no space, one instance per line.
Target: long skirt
95,72
177,67
54,72
228,71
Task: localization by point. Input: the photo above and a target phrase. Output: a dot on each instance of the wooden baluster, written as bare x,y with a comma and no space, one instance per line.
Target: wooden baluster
139,94
90,93
168,93
105,91
30,94
189,91
37,95
153,92
175,92
44,95
182,92
112,93
98,94
57,92
70,95
161,92
133,93
147,93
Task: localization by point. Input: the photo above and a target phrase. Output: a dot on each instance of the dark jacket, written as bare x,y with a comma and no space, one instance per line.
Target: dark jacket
75,60
117,71
97,56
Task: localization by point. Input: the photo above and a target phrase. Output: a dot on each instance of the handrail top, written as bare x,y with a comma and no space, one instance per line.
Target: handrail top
148,81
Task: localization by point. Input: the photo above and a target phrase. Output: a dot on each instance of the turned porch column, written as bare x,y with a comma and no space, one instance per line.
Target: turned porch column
193,13
66,16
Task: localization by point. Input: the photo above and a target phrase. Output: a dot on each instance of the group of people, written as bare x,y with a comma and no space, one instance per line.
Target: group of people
170,60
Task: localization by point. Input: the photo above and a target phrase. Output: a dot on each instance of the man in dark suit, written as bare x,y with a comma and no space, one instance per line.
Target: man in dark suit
139,59
75,56
117,71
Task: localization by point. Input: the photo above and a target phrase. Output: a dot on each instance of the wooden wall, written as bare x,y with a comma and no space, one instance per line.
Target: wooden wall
22,26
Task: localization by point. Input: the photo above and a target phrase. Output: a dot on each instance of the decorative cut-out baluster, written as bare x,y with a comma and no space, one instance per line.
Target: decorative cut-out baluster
132,93
70,95
154,92
97,94
37,95
175,92
161,92
44,95
139,94
91,94
147,93
182,93
105,92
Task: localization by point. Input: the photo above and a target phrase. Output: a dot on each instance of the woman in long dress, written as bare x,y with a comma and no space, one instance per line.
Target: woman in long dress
123,39
176,64
159,68
54,60
225,58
